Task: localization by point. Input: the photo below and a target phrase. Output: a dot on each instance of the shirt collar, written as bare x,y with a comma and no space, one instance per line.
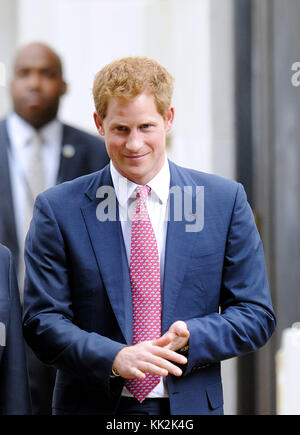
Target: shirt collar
20,131
125,188
52,132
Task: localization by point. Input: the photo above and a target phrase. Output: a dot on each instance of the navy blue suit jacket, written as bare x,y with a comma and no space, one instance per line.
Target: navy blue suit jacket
14,391
78,310
89,156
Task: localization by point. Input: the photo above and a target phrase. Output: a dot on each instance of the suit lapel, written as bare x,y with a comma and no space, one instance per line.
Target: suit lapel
179,244
108,245
7,216
71,156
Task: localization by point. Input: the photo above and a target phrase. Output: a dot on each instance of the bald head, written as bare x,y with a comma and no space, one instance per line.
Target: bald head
37,84
38,51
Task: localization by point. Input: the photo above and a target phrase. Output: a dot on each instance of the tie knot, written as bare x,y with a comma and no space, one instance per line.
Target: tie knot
36,140
142,192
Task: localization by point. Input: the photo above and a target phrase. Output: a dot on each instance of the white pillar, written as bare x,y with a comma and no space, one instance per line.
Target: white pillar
190,60
7,47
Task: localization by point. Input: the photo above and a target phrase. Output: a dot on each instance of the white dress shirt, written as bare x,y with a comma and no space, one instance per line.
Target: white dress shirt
19,133
157,205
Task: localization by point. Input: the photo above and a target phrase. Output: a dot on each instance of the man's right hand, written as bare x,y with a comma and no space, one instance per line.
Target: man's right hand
145,357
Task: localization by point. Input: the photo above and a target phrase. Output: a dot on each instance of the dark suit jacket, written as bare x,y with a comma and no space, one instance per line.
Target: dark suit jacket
14,392
78,310
90,155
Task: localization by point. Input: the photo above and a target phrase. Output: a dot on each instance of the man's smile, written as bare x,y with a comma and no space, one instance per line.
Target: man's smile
137,157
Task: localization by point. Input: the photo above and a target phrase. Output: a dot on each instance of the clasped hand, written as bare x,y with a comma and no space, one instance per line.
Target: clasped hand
155,356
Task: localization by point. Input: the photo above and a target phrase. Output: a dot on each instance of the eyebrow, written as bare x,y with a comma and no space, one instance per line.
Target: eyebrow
146,122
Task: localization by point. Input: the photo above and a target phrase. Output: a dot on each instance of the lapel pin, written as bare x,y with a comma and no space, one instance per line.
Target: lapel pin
68,151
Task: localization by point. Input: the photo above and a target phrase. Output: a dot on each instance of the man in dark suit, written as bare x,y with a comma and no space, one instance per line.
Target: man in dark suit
14,389
66,153
36,89
143,277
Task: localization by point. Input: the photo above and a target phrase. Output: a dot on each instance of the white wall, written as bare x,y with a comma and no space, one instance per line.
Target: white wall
90,33
192,38
222,87
7,47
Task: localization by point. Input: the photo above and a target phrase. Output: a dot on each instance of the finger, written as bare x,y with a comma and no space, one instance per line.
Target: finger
160,367
136,373
148,367
168,354
164,340
164,364
171,341
180,328
168,344
160,357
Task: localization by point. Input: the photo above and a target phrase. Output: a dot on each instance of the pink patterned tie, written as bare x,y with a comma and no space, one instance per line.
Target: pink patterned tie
145,288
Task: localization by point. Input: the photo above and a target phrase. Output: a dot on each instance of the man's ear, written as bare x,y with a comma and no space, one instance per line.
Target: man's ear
64,88
99,124
169,119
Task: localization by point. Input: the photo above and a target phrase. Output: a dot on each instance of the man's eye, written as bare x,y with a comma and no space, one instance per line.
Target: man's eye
121,128
22,73
49,74
146,126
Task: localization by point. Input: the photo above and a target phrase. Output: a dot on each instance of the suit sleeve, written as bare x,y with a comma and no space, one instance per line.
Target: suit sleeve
14,389
48,317
246,319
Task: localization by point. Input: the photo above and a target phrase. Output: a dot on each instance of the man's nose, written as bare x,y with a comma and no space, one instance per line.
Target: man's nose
134,141
34,81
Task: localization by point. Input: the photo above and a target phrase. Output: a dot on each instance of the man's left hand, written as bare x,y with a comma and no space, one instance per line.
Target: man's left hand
175,338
